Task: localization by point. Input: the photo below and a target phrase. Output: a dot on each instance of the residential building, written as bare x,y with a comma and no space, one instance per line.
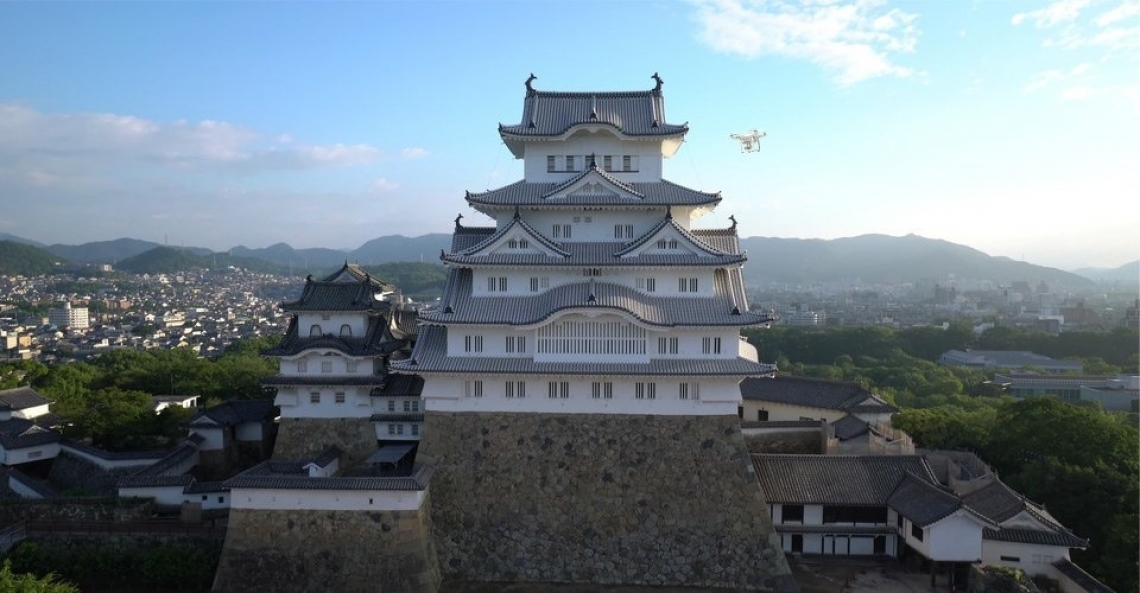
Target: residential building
72,318
1008,359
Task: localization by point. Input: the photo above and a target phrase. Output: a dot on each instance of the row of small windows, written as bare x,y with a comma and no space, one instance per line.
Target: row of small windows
598,390
315,397
472,343
409,405
591,337
518,244
576,162
326,366
397,429
316,331
502,283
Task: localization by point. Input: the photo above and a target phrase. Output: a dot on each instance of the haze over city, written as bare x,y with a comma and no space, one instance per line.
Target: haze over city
1006,126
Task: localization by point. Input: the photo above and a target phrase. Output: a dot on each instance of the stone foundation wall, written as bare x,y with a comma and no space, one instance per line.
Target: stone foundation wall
811,442
303,438
345,551
606,499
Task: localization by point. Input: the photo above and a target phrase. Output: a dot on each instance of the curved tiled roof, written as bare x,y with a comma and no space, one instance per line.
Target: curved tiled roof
319,295
431,356
814,393
268,476
528,230
19,398
630,113
1053,537
656,193
463,308
17,433
669,222
835,479
922,502
600,254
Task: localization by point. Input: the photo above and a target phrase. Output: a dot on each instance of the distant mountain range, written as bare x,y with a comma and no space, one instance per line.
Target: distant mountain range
867,259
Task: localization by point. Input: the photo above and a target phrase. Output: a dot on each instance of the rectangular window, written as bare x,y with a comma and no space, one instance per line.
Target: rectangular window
564,390
687,285
339,397
407,405
509,389
315,397
570,163
645,390
689,391
762,415
626,163
667,345
473,388
710,345
509,346
472,343
560,231
395,429
793,513
591,272
550,166
415,430
1010,558
391,405
916,532
302,366
552,389
350,366
692,285
602,390
326,367
496,283
608,162
542,282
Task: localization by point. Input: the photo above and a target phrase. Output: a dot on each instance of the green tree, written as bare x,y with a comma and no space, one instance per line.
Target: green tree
11,582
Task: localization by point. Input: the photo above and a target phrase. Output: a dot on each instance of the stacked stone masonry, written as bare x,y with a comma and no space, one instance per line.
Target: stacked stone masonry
300,439
604,499
318,551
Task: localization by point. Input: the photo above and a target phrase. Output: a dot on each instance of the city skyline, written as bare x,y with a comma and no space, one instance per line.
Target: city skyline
1005,126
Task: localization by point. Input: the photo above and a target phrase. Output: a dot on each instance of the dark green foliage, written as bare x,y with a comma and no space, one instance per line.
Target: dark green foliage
20,259
169,260
180,567
108,400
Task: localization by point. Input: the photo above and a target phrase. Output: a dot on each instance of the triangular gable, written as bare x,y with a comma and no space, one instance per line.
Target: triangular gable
593,183
517,237
668,238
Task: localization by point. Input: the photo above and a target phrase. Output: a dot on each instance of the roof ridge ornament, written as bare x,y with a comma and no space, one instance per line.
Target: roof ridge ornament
669,212
517,216
459,217
530,89
732,217
657,89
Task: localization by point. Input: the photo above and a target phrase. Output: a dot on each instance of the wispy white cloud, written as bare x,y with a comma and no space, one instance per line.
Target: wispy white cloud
1104,32
82,140
856,40
414,152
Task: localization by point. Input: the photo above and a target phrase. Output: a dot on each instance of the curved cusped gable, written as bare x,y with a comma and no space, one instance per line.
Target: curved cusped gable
591,185
669,238
517,237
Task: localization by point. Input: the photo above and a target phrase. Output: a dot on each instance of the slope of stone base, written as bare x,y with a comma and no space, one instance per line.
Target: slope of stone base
305,438
319,551
608,499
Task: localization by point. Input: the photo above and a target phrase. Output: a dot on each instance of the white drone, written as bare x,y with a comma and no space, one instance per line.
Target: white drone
749,141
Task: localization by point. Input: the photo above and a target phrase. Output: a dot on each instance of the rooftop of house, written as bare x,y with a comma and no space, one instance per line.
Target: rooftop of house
815,393
21,398
236,411
836,479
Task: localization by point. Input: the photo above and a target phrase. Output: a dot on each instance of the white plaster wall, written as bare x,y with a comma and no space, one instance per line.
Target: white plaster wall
313,359
718,396
1032,556
357,321
297,403
26,454
326,500
584,143
210,501
955,538
32,412
922,547
162,495
214,438
778,411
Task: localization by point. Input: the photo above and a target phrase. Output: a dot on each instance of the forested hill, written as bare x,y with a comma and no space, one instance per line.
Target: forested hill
867,259
881,259
168,260
21,259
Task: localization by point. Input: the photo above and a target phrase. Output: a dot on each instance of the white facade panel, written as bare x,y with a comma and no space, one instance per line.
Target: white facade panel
326,500
646,157
1034,559
956,538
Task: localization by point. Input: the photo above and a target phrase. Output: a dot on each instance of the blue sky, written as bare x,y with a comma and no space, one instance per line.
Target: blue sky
1012,127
